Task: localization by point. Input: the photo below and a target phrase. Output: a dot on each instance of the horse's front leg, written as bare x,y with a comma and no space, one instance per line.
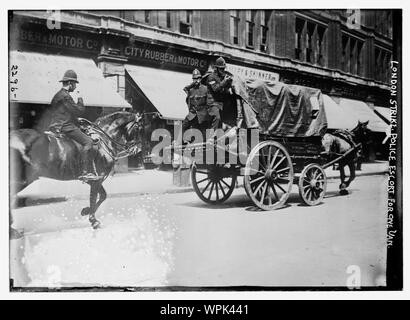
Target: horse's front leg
102,195
94,190
352,173
342,186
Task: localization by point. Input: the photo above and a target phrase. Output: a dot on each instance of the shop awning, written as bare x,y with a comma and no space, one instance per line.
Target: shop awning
345,113
163,88
336,117
38,75
383,112
363,113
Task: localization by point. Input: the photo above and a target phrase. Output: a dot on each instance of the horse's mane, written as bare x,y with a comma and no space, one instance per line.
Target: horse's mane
119,124
113,117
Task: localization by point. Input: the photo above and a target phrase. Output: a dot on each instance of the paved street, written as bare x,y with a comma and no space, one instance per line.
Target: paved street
177,240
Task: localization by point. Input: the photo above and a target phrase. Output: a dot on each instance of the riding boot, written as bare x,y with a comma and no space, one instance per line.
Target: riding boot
88,171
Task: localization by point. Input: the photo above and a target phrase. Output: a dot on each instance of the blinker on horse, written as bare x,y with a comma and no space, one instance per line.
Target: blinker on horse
57,157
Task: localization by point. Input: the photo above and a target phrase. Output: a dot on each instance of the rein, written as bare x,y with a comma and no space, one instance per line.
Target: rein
125,152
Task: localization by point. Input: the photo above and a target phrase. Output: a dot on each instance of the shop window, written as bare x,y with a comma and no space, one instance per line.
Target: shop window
147,16
352,55
264,16
377,67
319,45
309,42
345,53
185,24
299,27
389,24
138,16
382,65
234,27
388,63
250,28
359,58
164,19
168,19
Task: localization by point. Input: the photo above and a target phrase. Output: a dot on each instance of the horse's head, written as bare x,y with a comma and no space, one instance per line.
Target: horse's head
362,133
133,133
123,127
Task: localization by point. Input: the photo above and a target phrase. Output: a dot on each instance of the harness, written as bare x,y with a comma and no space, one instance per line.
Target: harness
346,136
94,132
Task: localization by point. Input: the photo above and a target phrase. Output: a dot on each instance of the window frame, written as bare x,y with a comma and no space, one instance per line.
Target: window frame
299,22
250,28
234,21
264,30
147,16
168,18
186,22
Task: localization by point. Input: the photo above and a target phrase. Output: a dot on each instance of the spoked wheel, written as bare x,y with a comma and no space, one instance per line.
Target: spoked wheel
268,175
312,184
214,184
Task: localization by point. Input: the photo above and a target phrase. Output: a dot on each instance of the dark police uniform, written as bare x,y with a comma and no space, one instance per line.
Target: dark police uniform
197,104
218,89
64,119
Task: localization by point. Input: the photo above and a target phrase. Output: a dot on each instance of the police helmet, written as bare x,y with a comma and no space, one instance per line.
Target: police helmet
196,74
220,63
69,75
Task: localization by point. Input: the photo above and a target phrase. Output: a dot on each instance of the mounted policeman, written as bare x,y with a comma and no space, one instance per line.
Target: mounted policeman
64,119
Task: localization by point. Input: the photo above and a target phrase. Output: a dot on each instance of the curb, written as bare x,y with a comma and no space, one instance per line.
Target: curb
190,188
32,201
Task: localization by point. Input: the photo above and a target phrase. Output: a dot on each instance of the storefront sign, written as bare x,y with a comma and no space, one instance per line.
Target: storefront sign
251,73
53,38
164,56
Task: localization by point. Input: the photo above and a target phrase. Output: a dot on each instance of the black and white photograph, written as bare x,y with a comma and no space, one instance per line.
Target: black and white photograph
234,149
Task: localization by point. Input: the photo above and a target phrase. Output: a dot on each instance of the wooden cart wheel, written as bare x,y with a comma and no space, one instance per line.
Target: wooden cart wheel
312,184
268,175
213,184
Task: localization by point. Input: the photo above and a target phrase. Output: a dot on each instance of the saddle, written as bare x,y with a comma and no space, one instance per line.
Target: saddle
85,126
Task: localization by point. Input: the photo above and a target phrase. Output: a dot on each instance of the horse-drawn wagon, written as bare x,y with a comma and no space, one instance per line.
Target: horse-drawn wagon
290,123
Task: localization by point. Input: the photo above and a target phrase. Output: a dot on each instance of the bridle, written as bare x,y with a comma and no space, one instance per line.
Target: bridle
126,149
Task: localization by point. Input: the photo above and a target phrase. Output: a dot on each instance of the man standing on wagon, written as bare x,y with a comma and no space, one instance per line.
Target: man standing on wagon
219,84
197,96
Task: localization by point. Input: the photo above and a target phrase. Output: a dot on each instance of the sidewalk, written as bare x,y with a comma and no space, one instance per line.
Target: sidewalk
139,182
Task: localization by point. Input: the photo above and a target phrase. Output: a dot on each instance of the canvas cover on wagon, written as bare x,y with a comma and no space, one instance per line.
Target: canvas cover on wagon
283,109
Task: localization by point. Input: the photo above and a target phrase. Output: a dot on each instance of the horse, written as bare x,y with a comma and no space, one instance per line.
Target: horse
340,142
52,155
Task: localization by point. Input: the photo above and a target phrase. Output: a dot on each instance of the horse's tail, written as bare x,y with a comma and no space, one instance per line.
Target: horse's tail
22,140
